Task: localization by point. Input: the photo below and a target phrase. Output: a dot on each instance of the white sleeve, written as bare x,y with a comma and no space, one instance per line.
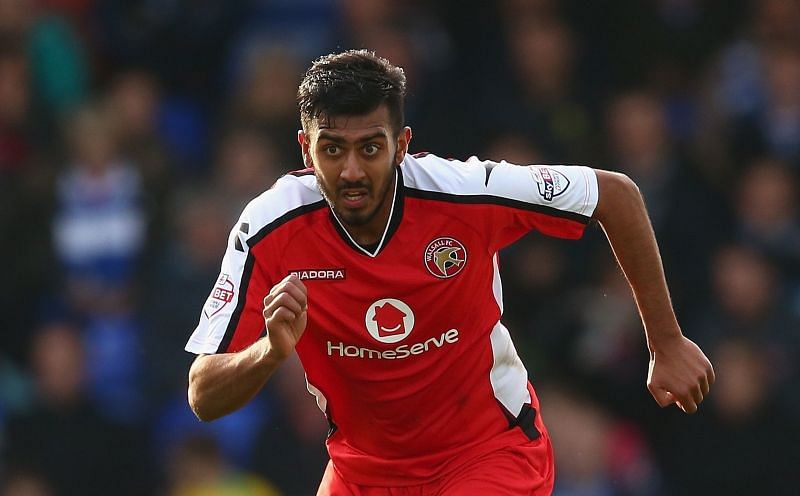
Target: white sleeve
564,188
224,297
567,188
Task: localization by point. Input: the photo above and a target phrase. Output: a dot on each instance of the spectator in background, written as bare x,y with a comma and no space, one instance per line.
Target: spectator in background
184,43
25,484
199,468
767,215
606,350
752,107
597,454
247,164
99,224
264,98
306,27
749,302
640,146
746,443
134,101
63,437
773,126
99,234
58,66
187,263
546,98
16,144
25,201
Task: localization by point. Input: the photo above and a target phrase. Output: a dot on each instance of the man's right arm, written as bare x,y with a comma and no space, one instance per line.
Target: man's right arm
221,384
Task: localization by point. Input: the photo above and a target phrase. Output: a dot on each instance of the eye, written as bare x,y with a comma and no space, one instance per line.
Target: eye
331,149
371,149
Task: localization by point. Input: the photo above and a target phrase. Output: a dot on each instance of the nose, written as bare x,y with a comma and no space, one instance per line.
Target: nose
352,170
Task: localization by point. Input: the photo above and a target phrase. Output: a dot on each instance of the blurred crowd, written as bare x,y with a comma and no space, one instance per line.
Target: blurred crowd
132,132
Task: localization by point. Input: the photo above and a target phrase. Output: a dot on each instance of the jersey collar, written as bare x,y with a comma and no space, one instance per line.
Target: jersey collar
395,214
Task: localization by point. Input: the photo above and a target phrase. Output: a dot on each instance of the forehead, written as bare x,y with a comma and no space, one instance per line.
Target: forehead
352,127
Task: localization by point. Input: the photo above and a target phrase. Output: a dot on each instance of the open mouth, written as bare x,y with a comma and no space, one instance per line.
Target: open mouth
354,198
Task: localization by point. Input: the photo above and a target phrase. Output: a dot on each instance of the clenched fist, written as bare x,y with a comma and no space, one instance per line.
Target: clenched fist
679,373
285,315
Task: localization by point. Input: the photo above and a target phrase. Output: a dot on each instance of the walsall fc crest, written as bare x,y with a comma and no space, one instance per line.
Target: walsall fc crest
445,257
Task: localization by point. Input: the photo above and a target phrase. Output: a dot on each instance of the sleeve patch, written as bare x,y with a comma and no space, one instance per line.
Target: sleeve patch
221,295
550,182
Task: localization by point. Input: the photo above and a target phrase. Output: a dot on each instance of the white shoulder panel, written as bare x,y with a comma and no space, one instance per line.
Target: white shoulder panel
564,187
287,195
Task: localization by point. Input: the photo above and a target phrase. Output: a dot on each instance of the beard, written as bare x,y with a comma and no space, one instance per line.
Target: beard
376,198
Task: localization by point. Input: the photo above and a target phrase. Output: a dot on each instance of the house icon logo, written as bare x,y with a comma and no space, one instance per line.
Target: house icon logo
389,320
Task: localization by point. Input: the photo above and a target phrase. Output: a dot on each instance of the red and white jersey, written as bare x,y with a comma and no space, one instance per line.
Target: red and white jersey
404,348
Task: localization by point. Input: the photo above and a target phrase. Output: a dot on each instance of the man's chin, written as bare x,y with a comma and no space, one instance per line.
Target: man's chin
353,218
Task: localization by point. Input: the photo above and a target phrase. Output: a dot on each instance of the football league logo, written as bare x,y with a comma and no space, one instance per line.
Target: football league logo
550,182
389,320
445,257
221,295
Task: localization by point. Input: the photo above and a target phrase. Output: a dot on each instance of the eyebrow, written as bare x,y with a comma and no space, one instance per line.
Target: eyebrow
338,139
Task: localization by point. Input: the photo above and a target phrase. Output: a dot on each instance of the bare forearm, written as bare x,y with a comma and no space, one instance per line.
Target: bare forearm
223,383
623,216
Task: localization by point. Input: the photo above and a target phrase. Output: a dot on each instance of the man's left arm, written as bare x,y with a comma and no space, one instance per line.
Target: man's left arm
679,372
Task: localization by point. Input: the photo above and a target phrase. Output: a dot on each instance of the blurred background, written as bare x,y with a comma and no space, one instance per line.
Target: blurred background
132,132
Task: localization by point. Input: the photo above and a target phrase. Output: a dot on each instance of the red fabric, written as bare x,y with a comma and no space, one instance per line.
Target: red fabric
410,418
525,469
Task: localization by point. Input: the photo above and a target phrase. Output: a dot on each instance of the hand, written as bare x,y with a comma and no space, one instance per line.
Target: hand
285,315
679,373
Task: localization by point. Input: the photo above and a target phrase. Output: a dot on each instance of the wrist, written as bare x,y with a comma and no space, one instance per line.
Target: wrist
268,356
661,336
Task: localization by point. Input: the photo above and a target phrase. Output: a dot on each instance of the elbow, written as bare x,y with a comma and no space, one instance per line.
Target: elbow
197,401
197,405
617,184
617,192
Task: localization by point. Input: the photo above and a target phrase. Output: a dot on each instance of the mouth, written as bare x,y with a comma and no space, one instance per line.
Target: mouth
354,198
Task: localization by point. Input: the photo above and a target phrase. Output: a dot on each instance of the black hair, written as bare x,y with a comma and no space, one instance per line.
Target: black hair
354,82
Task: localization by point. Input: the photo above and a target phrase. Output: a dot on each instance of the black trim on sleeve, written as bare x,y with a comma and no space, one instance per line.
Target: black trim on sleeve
526,420
250,262
489,166
497,200
302,172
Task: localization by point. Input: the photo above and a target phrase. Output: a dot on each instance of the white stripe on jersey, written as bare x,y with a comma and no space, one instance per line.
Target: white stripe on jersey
322,401
508,376
497,284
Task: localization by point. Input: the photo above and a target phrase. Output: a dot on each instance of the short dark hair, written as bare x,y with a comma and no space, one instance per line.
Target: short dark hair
354,82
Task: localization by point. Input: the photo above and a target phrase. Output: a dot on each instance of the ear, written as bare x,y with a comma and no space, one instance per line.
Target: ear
403,139
305,144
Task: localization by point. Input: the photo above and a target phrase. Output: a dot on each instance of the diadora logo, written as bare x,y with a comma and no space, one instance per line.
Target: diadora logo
445,257
319,274
389,320
550,182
